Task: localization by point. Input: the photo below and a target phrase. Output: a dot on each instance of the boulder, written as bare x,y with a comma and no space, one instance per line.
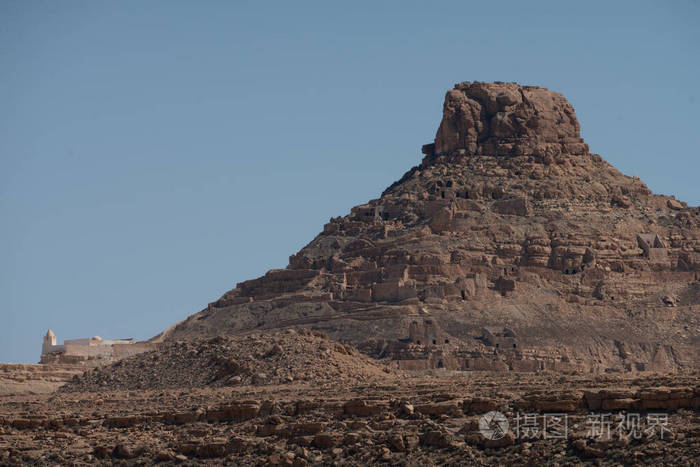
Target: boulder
363,408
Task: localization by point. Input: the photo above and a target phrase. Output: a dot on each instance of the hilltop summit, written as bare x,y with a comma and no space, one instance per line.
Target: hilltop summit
506,119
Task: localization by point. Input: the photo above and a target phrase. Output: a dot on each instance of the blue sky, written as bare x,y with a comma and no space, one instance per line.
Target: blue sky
153,154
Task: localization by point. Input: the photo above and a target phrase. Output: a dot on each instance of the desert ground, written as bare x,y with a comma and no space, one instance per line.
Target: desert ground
299,398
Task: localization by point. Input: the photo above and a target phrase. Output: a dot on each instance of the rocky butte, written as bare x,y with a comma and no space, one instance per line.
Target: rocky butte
510,247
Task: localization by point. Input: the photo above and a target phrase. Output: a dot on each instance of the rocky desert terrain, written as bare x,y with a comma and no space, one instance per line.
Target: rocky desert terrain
238,402
514,299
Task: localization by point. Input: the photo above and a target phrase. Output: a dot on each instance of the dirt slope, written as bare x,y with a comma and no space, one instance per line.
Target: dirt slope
269,359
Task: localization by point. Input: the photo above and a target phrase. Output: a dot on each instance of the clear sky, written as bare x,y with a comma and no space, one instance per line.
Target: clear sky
155,153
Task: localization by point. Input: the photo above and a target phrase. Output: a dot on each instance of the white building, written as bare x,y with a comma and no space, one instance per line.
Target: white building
92,348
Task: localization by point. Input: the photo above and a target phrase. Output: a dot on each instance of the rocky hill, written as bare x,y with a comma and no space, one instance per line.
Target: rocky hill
510,247
271,359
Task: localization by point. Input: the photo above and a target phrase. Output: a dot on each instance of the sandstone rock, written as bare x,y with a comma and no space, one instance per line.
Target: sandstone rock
165,456
618,404
180,418
437,438
407,408
362,408
123,451
445,408
325,440
307,428
396,442
674,204
480,405
617,393
553,402
507,119
621,201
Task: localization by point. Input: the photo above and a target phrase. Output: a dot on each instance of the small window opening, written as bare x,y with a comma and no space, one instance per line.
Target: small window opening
440,364
434,342
464,295
447,341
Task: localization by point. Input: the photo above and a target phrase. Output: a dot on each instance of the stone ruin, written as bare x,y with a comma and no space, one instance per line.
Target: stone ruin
93,350
429,347
653,247
500,338
427,333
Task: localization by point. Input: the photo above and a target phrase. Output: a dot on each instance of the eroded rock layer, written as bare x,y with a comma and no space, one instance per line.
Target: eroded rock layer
510,247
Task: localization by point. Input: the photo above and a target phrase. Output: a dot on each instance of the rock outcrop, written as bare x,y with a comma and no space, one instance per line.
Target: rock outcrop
507,120
508,222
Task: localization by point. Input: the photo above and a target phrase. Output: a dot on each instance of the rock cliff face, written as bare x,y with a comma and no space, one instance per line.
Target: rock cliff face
505,119
510,247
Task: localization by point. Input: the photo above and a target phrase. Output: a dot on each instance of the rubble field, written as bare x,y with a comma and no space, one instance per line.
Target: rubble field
420,418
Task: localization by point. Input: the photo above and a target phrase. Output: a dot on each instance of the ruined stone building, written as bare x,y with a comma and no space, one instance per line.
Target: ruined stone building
427,333
654,248
500,338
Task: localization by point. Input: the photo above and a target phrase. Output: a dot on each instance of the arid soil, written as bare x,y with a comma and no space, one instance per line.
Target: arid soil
417,419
